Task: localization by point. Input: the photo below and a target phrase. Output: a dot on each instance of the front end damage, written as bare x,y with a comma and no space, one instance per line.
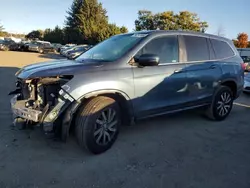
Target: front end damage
41,101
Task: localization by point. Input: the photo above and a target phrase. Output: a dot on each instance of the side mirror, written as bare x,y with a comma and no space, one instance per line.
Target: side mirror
148,60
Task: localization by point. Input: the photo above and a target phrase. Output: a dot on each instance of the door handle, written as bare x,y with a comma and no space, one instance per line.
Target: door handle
212,67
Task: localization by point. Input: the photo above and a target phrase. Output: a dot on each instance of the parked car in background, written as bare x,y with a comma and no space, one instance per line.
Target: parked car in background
24,46
76,51
247,83
57,46
64,52
245,55
126,78
67,46
40,46
47,47
7,45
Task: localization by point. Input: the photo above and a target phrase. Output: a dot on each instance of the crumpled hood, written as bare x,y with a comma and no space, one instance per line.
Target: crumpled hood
54,68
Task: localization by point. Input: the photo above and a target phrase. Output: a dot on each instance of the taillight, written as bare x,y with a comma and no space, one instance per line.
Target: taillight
244,66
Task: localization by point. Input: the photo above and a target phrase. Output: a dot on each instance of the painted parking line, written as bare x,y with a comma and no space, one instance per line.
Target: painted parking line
242,105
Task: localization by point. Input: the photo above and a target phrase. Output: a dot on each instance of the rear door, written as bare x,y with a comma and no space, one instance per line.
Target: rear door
202,72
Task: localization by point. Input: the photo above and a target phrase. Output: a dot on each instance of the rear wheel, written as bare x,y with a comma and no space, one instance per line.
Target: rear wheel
97,124
221,105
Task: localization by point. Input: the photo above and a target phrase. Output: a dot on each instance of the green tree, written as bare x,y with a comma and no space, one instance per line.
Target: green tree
189,21
165,21
55,35
72,30
86,22
94,21
113,29
123,29
1,30
36,34
168,20
145,21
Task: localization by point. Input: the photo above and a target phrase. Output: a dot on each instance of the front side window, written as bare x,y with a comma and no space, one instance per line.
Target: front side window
166,48
222,49
112,48
196,48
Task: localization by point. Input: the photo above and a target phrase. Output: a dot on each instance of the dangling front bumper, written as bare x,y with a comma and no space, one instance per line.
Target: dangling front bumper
19,110
47,116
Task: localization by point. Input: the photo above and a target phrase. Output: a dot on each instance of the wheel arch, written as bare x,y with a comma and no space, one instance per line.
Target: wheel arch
232,85
122,98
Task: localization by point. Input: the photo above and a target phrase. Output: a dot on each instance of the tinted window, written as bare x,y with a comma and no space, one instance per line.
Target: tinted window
166,48
222,49
197,48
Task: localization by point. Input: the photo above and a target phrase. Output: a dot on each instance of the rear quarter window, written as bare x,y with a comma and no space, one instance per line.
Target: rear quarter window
221,49
196,48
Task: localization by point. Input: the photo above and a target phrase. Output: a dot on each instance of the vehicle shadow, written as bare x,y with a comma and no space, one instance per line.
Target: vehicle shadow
51,56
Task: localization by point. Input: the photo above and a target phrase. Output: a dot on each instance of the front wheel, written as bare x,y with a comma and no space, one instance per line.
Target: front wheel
97,124
221,105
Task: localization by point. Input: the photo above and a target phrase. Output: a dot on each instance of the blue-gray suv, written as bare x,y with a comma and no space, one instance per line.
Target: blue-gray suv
126,78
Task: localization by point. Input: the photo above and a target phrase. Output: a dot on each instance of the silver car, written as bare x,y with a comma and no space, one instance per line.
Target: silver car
37,46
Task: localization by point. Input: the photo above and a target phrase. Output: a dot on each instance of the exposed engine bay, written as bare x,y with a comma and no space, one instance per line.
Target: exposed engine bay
40,100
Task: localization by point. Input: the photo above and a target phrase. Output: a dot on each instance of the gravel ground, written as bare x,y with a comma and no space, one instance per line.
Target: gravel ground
180,151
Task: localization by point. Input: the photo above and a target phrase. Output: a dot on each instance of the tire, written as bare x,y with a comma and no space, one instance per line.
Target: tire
20,123
91,134
221,105
40,51
6,48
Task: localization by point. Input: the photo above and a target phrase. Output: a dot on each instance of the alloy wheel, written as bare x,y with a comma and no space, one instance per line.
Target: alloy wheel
224,104
106,126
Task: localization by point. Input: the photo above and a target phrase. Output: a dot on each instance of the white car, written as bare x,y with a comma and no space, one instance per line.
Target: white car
245,55
246,83
67,46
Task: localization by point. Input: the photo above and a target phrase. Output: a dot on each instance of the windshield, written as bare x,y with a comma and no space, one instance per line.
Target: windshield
112,48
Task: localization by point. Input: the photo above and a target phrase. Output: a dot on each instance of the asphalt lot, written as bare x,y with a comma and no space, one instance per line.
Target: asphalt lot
180,151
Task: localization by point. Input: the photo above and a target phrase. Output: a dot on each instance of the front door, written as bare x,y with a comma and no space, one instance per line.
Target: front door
163,87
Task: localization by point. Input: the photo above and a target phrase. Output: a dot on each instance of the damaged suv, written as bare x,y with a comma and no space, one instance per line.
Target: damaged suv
125,78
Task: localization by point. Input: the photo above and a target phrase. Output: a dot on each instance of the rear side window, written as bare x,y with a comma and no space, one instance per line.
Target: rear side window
222,49
197,48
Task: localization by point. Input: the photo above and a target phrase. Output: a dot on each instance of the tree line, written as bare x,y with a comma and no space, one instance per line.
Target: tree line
87,22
